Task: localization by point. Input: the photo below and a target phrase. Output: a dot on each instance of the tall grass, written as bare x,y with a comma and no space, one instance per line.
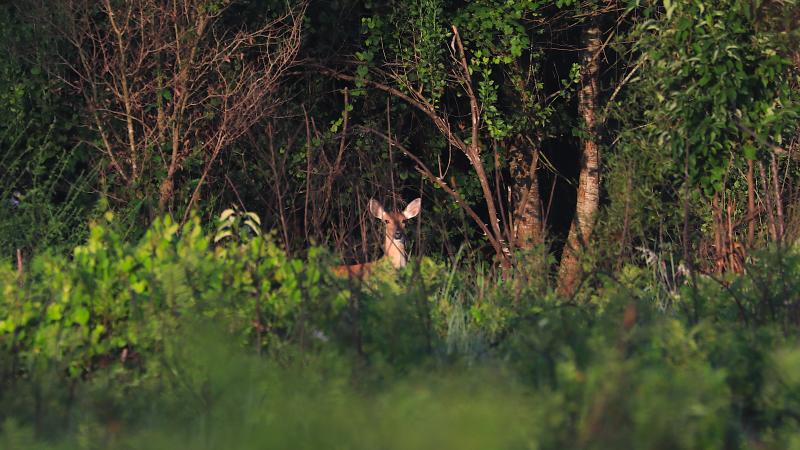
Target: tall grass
171,342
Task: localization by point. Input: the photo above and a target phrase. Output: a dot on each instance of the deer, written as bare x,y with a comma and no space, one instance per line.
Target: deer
394,249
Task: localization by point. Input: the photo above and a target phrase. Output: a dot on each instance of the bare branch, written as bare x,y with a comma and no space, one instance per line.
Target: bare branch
424,170
167,76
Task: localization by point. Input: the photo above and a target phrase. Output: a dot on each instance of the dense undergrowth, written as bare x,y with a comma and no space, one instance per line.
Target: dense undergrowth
632,166
174,342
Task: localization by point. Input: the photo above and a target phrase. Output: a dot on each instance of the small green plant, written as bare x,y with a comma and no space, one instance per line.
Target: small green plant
238,225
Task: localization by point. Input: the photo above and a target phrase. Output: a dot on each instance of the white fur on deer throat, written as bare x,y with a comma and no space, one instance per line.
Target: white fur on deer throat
396,252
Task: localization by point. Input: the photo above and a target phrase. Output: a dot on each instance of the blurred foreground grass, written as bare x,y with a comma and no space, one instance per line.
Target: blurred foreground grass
214,396
174,343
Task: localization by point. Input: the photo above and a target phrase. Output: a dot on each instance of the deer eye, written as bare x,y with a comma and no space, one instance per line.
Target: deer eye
387,221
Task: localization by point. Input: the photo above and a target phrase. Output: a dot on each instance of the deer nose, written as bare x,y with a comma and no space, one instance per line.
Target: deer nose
398,235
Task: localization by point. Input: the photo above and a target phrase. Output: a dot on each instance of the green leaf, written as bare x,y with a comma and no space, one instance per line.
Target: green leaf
80,316
139,286
254,217
256,229
225,214
97,332
749,152
222,235
54,312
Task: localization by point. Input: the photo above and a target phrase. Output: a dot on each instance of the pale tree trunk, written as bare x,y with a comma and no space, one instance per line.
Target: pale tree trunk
527,229
586,205
165,193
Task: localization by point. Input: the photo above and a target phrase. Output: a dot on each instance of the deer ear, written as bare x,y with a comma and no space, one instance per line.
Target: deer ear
413,208
376,209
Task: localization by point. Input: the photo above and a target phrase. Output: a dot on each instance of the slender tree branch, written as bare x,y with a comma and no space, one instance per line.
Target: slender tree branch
423,169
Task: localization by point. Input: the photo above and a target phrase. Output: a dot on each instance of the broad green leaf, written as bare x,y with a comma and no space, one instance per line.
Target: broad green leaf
226,214
80,315
749,152
222,235
254,217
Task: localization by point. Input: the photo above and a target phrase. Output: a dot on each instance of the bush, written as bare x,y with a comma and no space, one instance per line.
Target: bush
45,177
174,341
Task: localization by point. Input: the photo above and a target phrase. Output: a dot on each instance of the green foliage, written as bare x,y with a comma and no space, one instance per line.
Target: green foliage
44,180
236,224
706,89
113,301
222,398
213,336
411,36
171,341
498,40
710,73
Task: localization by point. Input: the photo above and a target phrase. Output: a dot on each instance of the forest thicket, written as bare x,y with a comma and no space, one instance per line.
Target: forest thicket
606,253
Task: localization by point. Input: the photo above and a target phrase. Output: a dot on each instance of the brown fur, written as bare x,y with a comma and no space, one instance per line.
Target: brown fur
393,248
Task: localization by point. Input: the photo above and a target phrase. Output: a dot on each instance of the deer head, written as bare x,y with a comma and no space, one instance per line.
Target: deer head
394,229
394,247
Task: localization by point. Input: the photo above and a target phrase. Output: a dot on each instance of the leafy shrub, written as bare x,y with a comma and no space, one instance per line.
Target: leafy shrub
117,301
44,177
171,342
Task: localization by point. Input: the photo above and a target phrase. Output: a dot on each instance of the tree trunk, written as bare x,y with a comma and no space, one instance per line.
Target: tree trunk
751,206
527,223
165,194
773,229
587,201
778,199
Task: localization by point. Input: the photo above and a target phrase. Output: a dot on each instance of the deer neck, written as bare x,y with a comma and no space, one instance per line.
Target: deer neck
395,251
